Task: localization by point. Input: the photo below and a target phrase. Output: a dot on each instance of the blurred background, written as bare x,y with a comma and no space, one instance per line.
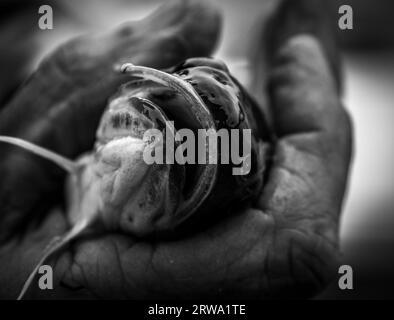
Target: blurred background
367,224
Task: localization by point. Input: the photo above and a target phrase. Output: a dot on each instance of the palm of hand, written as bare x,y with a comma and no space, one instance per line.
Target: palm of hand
285,244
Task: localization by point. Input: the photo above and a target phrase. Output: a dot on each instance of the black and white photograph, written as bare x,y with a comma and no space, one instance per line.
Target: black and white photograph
184,151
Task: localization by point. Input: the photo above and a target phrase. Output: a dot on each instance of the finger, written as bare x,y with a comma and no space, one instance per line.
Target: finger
60,105
291,18
84,61
83,64
195,24
313,17
309,171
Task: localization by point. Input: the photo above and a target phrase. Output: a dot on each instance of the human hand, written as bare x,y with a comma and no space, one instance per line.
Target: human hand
285,245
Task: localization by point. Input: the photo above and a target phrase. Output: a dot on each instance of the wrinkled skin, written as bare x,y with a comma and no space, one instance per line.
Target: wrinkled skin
285,245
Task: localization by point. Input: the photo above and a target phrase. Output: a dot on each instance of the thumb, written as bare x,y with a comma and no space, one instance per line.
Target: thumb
60,105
